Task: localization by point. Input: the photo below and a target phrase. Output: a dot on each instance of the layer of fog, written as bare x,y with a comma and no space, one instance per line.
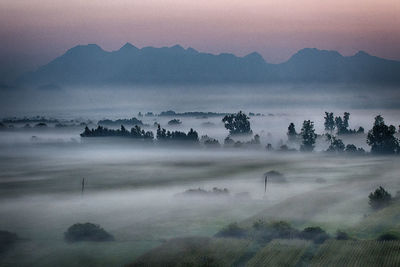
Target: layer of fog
132,190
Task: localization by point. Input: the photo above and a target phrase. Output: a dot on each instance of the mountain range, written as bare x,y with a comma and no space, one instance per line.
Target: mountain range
91,65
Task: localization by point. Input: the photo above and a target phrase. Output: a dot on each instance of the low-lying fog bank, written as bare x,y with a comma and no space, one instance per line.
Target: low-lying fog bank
136,195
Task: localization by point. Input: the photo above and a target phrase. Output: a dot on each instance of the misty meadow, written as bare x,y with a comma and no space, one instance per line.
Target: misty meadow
199,133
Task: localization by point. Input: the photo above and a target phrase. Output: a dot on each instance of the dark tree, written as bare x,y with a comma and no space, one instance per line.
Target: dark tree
136,132
292,134
87,232
237,123
329,121
381,138
341,235
343,124
308,135
174,122
164,135
315,234
380,198
336,145
346,118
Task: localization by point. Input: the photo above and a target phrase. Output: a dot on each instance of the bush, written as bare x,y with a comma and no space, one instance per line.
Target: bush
315,234
340,235
380,198
265,232
390,236
87,232
232,230
174,122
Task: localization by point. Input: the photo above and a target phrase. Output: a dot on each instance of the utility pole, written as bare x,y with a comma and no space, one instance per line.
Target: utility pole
83,185
265,184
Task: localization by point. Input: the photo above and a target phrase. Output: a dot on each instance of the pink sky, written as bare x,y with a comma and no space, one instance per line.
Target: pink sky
40,30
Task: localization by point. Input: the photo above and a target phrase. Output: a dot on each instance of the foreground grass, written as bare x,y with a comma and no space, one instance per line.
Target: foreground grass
358,253
195,251
280,253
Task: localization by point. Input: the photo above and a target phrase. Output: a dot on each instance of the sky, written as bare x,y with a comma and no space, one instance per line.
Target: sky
33,32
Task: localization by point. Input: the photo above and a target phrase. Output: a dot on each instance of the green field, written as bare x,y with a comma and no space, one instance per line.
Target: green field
358,253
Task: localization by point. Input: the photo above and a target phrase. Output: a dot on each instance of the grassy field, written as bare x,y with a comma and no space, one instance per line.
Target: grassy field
280,253
358,253
195,251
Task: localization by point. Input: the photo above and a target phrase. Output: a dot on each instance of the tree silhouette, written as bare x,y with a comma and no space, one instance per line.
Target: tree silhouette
292,134
380,198
308,135
237,123
336,145
329,121
381,138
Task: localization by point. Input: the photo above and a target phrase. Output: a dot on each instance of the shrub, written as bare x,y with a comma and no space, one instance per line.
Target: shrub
380,198
174,122
390,236
340,235
232,230
315,234
87,232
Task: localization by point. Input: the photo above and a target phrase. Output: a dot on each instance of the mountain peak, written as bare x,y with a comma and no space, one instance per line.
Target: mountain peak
177,47
128,46
254,56
85,49
306,55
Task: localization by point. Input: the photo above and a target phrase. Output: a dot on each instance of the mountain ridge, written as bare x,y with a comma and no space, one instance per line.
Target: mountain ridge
91,65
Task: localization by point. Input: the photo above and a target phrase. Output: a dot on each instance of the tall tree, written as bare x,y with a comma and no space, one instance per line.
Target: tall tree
308,135
291,133
237,123
381,138
329,121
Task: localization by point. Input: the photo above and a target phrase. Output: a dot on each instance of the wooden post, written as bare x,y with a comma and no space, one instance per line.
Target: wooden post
83,185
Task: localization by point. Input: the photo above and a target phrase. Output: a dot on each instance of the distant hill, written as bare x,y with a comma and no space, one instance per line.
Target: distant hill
91,65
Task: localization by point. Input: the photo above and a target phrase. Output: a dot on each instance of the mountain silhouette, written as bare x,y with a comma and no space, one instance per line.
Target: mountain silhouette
91,65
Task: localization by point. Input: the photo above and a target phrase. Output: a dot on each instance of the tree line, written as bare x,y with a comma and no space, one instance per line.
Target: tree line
381,137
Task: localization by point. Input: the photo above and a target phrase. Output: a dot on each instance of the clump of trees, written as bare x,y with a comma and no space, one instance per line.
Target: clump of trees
341,235
315,234
237,123
254,142
381,138
132,121
209,142
352,149
308,135
380,198
87,232
389,236
175,122
336,144
341,124
164,135
136,132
